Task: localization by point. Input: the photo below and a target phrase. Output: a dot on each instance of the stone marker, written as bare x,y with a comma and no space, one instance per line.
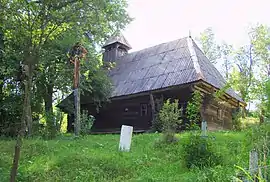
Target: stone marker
253,163
125,138
204,128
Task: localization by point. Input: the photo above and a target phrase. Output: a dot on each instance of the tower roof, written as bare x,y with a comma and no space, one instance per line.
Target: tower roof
117,39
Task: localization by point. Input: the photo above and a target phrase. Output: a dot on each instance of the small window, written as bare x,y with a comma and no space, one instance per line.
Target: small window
143,109
219,114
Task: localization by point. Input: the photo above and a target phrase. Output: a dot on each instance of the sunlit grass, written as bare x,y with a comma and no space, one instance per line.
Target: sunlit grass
96,158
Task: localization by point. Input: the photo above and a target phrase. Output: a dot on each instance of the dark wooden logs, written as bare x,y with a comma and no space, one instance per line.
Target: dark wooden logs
152,103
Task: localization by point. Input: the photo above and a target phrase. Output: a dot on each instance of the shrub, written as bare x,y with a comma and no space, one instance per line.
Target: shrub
236,120
86,122
169,116
157,124
199,152
45,127
193,110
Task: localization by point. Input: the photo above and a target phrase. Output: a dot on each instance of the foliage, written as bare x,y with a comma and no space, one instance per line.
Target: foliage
169,116
10,114
42,43
260,39
193,109
226,56
217,173
157,124
86,122
242,76
259,137
200,152
265,105
95,84
209,46
236,120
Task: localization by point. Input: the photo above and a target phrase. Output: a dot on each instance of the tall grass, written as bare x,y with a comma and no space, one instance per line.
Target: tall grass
96,158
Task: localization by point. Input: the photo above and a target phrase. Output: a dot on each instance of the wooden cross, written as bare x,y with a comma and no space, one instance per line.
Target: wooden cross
77,52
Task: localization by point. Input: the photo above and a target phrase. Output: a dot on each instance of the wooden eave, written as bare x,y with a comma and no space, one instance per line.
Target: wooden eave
187,85
207,88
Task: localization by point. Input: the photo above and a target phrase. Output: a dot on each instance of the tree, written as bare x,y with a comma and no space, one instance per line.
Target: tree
267,99
242,76
41,22
226,51
209,46
260,39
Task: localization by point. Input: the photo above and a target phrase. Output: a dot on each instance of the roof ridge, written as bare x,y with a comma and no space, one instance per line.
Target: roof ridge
194,58
117,38
157,45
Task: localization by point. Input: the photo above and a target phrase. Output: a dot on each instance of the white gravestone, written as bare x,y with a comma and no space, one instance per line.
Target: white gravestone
253,162
204,128
125,138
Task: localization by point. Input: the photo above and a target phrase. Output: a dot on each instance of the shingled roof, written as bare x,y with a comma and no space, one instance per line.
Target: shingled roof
117,39
164,65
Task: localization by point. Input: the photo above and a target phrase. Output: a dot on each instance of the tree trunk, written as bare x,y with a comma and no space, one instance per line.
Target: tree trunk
25,118
50,120
28,116
48,99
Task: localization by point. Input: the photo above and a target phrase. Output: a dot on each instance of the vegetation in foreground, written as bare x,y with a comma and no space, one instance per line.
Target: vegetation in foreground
96,158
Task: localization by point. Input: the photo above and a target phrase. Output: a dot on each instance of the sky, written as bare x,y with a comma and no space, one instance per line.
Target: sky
159,21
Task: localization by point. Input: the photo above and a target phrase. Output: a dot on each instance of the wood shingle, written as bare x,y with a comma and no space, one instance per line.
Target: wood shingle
168,64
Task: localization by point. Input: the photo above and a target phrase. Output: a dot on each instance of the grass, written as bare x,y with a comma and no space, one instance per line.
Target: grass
96,158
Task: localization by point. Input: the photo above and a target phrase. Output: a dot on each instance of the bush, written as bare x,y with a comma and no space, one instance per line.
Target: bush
169,117
193,110
199,152
86,122
157,124
236,120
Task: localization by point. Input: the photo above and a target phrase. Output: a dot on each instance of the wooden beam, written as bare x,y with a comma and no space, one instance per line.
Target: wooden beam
200,89
152,103
226,98
234,101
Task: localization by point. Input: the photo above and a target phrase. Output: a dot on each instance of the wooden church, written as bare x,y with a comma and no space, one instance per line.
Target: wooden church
143,79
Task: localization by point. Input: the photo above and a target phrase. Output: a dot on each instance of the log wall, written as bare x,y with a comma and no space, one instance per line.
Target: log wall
218,116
